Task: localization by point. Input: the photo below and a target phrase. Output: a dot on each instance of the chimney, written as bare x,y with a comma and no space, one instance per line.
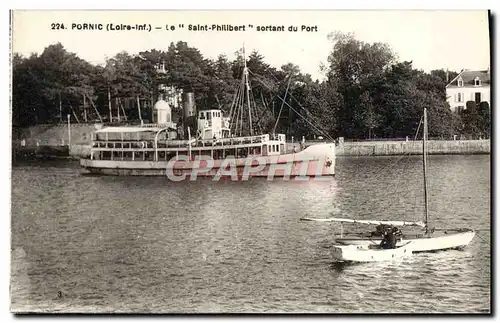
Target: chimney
447,76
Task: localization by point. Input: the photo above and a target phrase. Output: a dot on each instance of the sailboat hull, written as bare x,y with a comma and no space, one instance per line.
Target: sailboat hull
366,253
421,244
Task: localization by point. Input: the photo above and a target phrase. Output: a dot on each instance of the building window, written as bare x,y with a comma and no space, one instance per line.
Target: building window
477,81
460,97
477,97
460,82
459,109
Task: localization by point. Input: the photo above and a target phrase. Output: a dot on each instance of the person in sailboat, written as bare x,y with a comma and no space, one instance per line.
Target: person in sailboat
389,239
398,233
380,230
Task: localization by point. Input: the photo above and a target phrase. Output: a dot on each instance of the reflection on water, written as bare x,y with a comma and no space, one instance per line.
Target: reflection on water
139,244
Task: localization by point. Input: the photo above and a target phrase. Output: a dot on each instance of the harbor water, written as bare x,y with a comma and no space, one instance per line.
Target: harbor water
147,245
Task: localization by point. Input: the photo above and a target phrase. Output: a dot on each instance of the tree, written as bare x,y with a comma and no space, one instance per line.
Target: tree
472,120
484,113
353,65
48,86
366,92
443,124
27,87
366,116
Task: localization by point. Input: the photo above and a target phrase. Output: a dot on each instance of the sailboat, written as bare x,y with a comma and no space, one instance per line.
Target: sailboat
429,240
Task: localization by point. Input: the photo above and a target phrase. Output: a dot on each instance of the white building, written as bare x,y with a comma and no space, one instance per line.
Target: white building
468,86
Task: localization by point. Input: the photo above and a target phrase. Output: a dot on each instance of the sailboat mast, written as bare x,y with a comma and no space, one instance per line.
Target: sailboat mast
424,156
245,72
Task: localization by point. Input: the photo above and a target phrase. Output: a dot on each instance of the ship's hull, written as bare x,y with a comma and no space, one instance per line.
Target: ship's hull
315,161
421,244
366,253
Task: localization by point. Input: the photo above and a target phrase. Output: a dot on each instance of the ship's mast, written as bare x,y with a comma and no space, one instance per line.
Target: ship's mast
424,153
245,73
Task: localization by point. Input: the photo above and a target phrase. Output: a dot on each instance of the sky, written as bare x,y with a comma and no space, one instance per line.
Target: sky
453,39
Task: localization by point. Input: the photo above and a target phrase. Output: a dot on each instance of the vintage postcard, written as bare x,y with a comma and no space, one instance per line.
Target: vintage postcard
284,161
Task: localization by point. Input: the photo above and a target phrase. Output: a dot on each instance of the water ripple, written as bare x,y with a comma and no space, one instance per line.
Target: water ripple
139,244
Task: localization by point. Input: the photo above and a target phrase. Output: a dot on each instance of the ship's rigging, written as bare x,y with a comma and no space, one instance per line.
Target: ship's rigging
243,109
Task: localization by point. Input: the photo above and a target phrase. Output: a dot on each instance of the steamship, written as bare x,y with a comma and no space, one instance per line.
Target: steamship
206,144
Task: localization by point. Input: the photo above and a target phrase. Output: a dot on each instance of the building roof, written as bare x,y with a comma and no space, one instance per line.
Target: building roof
469,76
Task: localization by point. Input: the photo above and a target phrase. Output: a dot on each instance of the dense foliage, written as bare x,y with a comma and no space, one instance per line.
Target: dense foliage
367,92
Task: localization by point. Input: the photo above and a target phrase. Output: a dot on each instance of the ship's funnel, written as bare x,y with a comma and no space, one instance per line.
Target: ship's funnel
189,112
188,105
